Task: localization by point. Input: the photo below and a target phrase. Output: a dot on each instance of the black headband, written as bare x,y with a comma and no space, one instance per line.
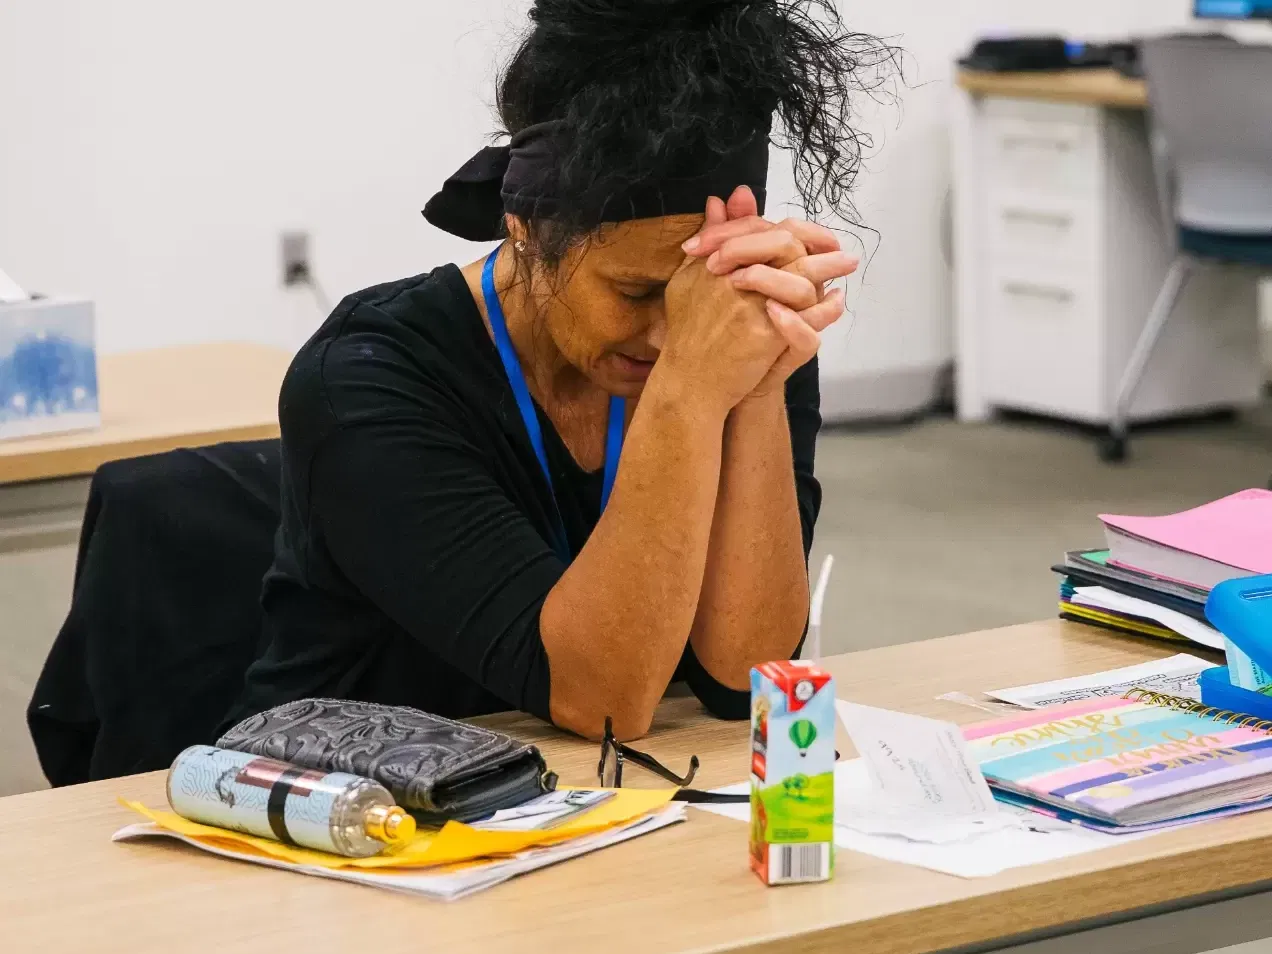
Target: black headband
518,179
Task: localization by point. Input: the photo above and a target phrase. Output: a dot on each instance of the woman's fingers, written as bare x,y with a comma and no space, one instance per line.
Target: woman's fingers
800,333
816,238
717,213
826,312
801,341
786,288
776,248
742,204
714,235
823,268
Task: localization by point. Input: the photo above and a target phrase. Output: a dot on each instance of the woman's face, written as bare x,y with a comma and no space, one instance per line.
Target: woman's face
605,309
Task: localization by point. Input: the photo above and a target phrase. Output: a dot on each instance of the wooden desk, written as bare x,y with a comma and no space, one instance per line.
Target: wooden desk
154,401
65,886
1088,87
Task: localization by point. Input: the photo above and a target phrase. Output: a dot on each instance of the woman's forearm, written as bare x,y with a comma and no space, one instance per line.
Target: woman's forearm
616,624
754,599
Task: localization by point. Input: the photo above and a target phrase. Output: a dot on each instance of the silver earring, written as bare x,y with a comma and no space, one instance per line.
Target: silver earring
520,246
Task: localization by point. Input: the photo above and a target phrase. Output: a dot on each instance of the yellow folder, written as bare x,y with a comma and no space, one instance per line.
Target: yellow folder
452,844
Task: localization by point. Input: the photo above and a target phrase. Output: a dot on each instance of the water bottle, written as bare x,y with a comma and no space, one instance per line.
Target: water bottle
328,811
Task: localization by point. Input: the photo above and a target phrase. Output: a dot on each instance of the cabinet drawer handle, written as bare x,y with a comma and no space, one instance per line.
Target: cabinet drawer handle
1058,219
1044,142
1062,295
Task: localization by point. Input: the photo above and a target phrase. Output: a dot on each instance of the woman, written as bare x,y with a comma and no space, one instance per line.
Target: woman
459,531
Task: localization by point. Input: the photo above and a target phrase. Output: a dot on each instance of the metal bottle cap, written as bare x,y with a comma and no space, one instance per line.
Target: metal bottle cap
389,824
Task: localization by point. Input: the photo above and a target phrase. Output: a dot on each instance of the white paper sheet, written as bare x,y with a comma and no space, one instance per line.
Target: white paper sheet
924,783
1102,597
547,811
1031,839
443,885
1174,676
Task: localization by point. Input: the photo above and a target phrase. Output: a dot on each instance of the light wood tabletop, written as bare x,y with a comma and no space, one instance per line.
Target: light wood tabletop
1089,87
65,886
158,400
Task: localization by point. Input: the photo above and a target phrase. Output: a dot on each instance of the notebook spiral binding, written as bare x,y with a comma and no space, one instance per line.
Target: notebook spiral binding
1182,704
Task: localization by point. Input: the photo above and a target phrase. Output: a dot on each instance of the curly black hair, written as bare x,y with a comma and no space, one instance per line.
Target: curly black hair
642,84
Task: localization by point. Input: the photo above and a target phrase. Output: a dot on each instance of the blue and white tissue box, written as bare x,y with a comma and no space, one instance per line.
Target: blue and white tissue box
48,367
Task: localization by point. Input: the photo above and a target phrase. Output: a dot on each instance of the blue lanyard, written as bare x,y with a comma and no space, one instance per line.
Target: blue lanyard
520,391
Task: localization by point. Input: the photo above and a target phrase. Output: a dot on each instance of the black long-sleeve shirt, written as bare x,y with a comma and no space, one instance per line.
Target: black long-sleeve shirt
412,560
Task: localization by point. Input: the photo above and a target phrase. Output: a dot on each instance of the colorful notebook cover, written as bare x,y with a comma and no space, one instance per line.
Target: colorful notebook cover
1127,765
1235,530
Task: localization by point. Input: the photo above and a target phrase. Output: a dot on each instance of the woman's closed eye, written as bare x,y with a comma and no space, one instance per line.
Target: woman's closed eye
640,292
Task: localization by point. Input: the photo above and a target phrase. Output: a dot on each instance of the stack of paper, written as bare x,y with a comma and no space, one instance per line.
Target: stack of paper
1156,577
1174,676
917,796
1157,572
1098,592
1025,839
453,862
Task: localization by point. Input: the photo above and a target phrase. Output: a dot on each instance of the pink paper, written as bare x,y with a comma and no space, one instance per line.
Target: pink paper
1236,530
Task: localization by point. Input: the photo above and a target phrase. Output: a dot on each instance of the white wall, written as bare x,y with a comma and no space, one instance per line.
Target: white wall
151,152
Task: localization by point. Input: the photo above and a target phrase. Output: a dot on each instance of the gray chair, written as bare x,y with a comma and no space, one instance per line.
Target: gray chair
1210,101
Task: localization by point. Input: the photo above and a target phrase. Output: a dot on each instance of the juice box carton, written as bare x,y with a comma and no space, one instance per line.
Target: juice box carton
792,772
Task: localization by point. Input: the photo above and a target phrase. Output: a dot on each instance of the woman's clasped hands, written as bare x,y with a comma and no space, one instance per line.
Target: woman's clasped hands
747,307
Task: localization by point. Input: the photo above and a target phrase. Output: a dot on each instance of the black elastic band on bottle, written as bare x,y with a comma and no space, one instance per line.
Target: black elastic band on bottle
278,802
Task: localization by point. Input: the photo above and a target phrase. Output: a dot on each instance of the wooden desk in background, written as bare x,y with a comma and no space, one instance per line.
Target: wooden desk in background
64,886
1086,87
154,401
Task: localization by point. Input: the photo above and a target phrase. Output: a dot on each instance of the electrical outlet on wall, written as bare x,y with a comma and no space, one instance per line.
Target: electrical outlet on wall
296,268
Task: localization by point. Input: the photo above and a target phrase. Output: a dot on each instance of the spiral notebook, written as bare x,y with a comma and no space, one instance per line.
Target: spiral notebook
1131,764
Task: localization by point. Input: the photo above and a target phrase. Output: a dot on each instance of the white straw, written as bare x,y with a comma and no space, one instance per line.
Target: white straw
812,645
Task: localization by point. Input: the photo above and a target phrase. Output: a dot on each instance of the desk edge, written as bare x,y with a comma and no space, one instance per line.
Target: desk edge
79,461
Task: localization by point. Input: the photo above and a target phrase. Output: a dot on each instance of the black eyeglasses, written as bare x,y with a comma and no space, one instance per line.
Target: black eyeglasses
609,771
614,753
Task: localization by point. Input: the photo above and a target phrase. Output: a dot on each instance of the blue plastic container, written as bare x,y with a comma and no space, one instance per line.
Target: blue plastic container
1242,610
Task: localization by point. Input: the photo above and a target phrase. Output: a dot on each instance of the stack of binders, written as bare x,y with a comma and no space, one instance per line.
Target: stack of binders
1156,573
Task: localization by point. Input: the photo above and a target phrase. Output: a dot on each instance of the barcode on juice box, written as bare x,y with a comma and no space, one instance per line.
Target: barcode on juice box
791,863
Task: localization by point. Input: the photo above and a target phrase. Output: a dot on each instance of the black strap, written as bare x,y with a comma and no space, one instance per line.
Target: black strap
276,806
695,796
520,178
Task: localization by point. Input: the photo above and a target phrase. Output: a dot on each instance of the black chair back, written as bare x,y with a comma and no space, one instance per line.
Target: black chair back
165,616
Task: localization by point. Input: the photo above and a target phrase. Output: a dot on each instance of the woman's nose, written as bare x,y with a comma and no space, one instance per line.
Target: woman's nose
658,332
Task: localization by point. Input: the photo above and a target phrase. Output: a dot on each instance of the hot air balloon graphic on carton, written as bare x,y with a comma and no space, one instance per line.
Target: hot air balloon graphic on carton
792,772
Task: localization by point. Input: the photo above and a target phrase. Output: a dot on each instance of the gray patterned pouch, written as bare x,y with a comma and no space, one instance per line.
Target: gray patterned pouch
436,768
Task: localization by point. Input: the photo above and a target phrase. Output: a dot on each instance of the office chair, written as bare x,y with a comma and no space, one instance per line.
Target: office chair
1210,104
165,614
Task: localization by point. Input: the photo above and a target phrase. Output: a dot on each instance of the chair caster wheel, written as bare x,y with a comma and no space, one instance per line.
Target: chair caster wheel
1113,448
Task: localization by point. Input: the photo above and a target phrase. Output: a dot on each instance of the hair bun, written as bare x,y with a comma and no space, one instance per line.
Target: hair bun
627,15
645,87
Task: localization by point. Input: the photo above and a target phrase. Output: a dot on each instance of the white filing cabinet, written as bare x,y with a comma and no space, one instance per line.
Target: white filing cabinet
1060,254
